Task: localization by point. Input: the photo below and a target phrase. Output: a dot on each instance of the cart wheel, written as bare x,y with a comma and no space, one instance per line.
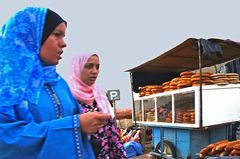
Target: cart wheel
168,149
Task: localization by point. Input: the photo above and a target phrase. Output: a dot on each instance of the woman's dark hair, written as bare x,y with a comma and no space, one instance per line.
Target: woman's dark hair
51,22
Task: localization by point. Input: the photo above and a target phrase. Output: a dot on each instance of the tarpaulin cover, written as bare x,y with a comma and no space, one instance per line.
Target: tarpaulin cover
183,57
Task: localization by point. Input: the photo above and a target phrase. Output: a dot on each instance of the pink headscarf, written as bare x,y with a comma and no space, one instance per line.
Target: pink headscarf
84,93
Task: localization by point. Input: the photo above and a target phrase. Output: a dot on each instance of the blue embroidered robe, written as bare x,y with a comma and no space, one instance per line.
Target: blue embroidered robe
45,137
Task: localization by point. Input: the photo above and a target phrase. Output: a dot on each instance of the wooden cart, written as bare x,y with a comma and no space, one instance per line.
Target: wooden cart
214,116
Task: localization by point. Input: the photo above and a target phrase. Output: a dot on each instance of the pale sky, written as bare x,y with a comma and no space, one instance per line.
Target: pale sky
127,33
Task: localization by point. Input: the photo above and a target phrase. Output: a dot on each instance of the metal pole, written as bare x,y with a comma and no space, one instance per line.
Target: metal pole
114,109
162,140
134,111
200,71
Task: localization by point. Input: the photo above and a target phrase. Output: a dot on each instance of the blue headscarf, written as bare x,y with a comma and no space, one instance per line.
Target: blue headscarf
22,74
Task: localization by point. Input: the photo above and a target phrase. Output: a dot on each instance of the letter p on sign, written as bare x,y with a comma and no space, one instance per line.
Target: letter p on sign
113,95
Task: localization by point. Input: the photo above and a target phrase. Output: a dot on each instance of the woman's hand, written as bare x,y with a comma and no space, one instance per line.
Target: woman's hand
92,121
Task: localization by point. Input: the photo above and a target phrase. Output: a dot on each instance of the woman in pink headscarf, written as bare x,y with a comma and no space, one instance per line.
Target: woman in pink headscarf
84,72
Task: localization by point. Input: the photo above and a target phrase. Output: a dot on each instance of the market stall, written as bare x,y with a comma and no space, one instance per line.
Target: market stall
187,104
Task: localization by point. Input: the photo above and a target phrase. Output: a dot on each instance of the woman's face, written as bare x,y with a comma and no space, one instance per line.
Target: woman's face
90,70
52,48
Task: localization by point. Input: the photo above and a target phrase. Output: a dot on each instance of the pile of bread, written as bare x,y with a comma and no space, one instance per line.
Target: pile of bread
221,148
224,79
149,89
182,116
150,115
188,79
168,118
139,116
185,116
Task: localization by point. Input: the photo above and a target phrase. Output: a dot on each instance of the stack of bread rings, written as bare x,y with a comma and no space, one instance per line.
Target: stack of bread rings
192,112
150,116
185,79
166,86
206,80
224,79
185,116
233,78
139,116
168,118
179,116
188,79
150,89
173,83
219,79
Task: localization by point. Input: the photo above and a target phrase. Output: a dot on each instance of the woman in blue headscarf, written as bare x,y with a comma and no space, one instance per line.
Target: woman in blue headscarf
39,117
